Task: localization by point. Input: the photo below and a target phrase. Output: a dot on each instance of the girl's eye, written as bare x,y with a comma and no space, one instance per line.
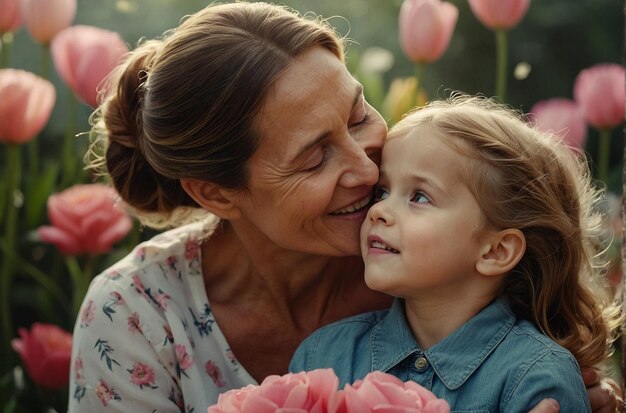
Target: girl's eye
361,123
380,194
420,198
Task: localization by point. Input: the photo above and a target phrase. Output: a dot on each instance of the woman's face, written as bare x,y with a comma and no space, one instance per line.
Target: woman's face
311,179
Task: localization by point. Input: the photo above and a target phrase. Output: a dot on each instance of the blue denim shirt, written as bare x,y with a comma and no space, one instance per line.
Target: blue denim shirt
493,363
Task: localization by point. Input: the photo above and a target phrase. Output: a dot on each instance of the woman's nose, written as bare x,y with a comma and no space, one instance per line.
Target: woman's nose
361,169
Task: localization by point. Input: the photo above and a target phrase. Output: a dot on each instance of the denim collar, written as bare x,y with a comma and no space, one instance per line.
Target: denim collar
453,359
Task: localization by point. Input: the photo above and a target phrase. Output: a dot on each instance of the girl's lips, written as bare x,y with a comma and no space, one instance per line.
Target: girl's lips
376,245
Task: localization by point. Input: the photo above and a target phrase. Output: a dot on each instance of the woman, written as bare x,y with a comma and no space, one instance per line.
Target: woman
248,112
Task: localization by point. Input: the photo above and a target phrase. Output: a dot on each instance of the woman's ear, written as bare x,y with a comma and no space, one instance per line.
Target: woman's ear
212,197
501,253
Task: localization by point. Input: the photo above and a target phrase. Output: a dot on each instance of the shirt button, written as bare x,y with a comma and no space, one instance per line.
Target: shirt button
421,363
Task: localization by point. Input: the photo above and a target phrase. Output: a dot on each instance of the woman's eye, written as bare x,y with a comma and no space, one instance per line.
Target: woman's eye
380,194
362,122
420,198
318,162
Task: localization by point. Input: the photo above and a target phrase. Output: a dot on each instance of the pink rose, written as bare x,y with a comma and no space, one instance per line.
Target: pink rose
214,373
311,391
184,359
317,391
85,220
380,391
45,351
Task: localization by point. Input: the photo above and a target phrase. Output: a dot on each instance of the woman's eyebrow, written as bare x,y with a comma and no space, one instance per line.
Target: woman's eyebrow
323,135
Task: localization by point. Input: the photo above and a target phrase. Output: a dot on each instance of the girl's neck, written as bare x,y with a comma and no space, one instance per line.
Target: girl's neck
432,318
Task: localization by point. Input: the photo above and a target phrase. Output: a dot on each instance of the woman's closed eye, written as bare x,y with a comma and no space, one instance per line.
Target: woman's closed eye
318,160
360,123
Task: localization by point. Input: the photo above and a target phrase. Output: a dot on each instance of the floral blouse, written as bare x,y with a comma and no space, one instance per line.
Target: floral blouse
146,340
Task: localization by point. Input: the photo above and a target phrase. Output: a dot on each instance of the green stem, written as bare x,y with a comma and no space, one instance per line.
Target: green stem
501,64
420,69
604,149
10,226
35,273
6,39
68,161
80,281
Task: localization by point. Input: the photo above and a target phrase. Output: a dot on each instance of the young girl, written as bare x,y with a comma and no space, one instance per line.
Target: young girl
484,228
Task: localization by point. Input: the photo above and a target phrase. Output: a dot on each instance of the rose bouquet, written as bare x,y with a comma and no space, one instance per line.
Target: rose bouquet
317,391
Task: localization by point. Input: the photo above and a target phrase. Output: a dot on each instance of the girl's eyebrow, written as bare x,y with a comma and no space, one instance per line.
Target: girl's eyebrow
357,95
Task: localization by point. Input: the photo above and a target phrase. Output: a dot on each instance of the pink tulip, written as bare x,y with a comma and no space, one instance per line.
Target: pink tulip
85,219
599,90
562,117
499,14
45,18
45,351
26,101
426,27
10,16
84,56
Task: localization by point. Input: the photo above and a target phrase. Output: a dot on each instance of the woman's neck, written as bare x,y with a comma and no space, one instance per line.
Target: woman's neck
303,289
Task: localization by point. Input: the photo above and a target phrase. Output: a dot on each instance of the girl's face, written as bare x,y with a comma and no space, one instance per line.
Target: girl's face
421,235
312,176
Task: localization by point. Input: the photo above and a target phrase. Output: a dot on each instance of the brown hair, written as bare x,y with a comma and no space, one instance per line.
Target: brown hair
183,106
527,179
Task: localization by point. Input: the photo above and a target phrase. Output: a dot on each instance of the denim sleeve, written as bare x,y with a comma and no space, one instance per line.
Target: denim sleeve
556,375
305,351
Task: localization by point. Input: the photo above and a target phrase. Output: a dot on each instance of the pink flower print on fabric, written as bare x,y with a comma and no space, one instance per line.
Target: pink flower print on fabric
214,373
185,360
134,324
172,263
142,375
87,314
192,249
79,377
140,254
138,284
106,393
162,299
117,298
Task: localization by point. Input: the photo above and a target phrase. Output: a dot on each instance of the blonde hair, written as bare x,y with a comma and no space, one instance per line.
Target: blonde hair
183,106
526,179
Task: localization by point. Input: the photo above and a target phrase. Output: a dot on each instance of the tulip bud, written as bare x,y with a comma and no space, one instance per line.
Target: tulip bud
499,14
426,27
83,56
561,117
45,351
10,16
599,90
45,18
26,102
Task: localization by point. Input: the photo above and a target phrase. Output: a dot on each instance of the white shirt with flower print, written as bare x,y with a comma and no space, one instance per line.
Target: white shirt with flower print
146,339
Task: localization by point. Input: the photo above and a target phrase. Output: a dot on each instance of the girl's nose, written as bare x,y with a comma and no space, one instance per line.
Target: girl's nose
380,213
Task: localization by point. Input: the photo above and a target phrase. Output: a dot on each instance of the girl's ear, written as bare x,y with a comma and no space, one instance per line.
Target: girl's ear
212,197
501,253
